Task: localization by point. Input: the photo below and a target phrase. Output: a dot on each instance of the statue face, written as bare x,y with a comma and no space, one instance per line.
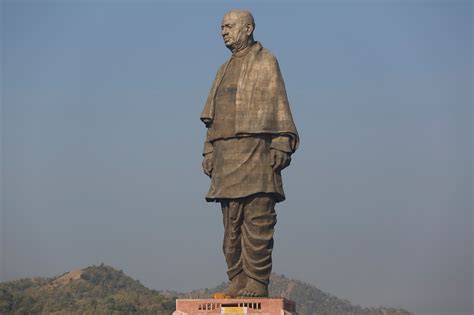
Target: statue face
234,31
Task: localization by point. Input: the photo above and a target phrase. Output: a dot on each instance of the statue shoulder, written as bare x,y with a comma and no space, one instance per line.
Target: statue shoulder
267,58
222,67
265,53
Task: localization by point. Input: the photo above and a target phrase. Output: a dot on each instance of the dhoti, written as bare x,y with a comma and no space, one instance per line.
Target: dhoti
248,237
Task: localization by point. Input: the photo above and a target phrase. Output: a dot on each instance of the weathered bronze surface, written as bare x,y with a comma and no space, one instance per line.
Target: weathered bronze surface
250,139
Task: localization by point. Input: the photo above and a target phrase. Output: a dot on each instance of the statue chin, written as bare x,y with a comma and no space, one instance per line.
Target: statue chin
231,47
235,46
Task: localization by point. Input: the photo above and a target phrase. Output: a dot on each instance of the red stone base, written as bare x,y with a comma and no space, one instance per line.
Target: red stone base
250,306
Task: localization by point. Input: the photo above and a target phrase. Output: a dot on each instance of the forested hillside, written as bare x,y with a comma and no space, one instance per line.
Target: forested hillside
92,290
105,290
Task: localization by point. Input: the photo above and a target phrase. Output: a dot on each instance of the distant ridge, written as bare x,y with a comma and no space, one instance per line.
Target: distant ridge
105,290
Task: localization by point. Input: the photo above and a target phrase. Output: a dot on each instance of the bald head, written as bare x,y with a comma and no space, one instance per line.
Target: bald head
244,16
237,29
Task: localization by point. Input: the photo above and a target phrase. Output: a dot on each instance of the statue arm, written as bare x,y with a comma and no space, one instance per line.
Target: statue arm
208,154
208,148
280,152
281,143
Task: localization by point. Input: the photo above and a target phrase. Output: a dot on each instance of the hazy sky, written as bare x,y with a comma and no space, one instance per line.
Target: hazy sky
101,144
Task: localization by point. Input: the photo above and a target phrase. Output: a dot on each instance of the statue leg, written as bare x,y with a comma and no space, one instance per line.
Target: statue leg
257,243
232,211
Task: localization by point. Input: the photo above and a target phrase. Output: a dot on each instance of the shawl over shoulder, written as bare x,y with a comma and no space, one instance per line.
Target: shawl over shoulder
261,101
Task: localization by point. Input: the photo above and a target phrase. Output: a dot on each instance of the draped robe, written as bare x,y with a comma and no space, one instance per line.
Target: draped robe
260,120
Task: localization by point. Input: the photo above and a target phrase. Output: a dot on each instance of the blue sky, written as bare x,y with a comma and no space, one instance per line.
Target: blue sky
101,144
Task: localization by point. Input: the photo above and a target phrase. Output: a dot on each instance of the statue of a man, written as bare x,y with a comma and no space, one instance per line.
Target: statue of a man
250,138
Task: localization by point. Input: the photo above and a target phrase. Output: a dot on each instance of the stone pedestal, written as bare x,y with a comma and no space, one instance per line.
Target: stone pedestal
248,306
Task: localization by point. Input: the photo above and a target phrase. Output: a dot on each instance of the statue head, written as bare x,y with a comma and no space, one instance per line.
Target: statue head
237,29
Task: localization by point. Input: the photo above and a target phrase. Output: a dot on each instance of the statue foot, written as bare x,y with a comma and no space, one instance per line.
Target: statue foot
254,288
236,284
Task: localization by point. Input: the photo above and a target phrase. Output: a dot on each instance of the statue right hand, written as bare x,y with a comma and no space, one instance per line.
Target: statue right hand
207,164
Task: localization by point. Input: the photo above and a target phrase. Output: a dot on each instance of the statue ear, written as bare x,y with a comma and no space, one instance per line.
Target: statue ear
249,29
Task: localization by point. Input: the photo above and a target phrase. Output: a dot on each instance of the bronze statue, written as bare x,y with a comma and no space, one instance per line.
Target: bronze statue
250,138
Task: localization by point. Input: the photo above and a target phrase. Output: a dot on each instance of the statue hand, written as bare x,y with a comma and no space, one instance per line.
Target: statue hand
279,159
207,164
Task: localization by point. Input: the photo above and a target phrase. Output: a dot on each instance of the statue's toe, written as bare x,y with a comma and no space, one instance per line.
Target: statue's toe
253,288
247,293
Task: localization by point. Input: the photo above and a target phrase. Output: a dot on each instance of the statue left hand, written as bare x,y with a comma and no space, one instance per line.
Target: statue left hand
207,164
279,159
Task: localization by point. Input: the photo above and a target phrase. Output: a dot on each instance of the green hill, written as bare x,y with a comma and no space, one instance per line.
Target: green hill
312,301
105,290
92,290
